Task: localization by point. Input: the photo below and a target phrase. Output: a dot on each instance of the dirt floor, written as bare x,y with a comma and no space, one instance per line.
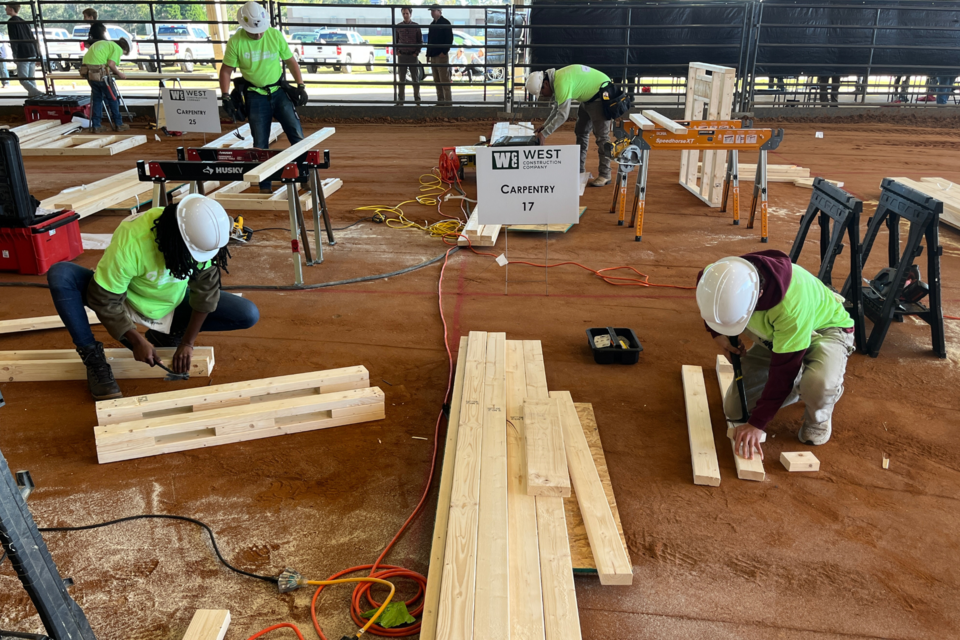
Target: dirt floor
853,551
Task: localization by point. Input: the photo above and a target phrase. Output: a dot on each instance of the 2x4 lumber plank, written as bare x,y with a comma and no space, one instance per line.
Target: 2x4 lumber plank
277,162
458,583
746,469
703,451
642,122
48,135
88,189
561,619
480,235
546,471
526,598
247,392
37,324
609,551
65,364
90,207
208,624
491,619
663,121
87,148
431,596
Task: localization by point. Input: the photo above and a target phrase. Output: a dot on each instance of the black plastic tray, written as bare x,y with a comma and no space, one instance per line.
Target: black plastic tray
615,354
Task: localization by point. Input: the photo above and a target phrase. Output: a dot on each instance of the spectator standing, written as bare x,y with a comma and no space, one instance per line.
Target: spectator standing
5,55
439,41
90,14
408,40
24,46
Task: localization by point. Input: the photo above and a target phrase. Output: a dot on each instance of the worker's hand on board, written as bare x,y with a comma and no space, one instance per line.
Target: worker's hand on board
182,358
121,75
724,342
143,351
747,440
541,139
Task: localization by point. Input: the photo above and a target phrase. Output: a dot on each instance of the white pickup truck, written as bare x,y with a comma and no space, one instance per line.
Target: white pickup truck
338,49
177,44
61,51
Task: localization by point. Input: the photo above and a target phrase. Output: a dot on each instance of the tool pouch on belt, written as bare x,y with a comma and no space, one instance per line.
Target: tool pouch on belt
616,102
94,73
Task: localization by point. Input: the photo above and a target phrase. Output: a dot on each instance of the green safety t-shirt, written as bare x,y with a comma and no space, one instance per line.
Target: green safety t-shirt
577,82
102,52
260,61
807,306
133,264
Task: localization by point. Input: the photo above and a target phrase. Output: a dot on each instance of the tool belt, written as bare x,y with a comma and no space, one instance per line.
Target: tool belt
616,102
242,86
94,73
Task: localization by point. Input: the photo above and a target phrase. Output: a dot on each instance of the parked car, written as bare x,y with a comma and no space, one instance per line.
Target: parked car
61,50
82,31
340,50
176,44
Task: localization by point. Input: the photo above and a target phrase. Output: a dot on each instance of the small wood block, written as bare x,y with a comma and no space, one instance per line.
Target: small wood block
208,624
799,461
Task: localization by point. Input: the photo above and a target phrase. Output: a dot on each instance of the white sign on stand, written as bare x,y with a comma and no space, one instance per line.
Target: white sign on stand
191,110
528,185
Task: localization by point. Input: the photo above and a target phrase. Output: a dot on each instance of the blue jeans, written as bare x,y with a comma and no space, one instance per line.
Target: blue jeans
25,73
100,92
68,287
263,109
3,71
944,88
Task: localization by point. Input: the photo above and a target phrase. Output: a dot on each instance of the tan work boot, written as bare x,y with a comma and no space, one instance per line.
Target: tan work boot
815,434
121,127
600,181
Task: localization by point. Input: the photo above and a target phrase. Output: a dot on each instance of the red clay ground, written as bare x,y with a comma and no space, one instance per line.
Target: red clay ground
850,552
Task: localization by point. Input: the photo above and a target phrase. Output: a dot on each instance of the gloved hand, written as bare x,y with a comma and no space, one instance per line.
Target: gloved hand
229,108
302,97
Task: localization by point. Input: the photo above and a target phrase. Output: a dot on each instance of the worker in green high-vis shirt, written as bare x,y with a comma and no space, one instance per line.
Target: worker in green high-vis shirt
563,86
99,63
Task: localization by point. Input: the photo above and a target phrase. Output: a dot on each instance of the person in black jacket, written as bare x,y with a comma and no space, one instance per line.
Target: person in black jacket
24,46
439,40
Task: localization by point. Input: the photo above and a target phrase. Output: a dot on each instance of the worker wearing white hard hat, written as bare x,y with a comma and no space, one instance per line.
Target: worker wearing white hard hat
802,336
579,83
162,271
262,93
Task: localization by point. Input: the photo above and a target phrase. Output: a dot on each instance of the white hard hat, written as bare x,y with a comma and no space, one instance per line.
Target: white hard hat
253,18
727,295
534,82
204,226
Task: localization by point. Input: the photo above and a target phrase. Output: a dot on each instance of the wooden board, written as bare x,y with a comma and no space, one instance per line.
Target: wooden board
943,190
703,451
663,121
217,426
431,597
277,201
480,235
45,136
231,141
65,364
140,75
492,611
86,146
546,472
458,583
288,155
541,228
799,461
526,599
643,123
580,552
746,469
37,324
248,392
609,551
208,624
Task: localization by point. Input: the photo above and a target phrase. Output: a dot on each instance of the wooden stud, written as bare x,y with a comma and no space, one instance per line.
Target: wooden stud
65,364
663,121
208,624
231,141
288,155
643,123
546,472
82,146
746,469
799,461
703,451
37,324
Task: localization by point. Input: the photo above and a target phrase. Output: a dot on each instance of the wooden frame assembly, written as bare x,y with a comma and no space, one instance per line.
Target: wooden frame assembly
82,145
231,196
65,364
943,190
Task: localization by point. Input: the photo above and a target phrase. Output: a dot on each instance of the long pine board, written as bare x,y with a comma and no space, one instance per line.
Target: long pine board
38,324
491,619
703,450
208,624
609,551
288,155
746,469
431,597
546,471
526,598
65,364
458,584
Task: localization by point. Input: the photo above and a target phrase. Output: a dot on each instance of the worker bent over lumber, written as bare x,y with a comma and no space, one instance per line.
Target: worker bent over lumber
801,333
161,270
581,83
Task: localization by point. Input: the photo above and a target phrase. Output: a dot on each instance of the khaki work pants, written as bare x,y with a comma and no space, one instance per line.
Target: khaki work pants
441,74
819,383
590,117
408,63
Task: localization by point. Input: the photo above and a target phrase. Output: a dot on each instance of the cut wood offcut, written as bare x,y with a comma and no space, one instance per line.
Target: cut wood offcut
208,624
478,235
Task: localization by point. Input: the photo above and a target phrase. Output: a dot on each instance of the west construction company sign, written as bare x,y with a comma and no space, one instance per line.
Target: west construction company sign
528,185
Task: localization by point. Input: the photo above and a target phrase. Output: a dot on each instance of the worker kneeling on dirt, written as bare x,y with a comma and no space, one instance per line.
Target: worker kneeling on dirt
801,333
161,270
581,83
260,51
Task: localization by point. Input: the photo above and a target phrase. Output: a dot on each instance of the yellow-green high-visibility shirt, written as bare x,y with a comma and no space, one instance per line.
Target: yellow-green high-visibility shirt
260,61
102,52
577,82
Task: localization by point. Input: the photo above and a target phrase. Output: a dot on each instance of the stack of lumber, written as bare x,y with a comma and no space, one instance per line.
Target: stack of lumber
501,562
65,364
480,235
43,131
223,414
943,190
798,176
37,324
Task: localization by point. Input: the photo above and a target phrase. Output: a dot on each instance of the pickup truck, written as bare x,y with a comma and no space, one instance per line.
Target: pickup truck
61,51
177,44
82,31
338,49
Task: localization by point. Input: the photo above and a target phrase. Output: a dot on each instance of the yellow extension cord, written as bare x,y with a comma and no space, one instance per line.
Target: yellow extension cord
431,188
375,616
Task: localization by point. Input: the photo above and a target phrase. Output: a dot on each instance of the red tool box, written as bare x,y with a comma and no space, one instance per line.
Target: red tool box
61,108
33,250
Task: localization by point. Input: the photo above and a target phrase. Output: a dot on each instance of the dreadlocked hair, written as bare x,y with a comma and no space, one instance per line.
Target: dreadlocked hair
175,252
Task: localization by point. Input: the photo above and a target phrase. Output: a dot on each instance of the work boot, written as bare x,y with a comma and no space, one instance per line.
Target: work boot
123,126
98,129
100,380
600,181
160,340
815,434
